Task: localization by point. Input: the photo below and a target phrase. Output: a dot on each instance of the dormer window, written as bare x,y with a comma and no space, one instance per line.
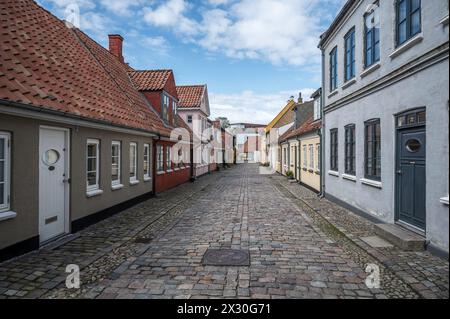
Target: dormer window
165,107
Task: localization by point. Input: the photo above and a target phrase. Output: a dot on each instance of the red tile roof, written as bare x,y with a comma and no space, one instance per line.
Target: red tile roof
307,127
150,80
48,66
190,96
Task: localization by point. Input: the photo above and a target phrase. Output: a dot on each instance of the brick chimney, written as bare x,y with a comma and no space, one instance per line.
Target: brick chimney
300,98
115,46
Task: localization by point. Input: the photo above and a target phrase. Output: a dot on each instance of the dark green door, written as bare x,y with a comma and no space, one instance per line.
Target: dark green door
411,177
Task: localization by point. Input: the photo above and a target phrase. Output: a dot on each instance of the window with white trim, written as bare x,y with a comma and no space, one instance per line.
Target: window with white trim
159,158
165,107
319,159
116,162
305,156
311,156
147,161
93,165
5,140
168,157
133,162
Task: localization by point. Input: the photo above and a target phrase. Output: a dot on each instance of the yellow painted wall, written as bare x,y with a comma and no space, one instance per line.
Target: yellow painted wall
310,175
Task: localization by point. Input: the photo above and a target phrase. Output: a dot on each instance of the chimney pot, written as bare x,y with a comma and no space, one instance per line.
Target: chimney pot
115,46
300,99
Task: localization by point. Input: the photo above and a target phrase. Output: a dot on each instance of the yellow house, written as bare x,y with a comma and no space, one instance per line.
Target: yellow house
301,153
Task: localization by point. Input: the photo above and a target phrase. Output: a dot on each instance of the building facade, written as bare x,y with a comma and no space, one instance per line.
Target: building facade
386,121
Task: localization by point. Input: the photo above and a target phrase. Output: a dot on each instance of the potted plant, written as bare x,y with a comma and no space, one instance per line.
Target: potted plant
290,175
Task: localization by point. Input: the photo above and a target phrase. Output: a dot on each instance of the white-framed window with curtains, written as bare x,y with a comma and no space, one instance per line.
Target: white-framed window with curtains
311,156
319,159
93,165
168,157
159,158
5,170
147,161
133,162
116,162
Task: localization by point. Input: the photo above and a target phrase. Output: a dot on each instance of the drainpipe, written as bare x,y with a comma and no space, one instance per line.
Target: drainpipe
322,131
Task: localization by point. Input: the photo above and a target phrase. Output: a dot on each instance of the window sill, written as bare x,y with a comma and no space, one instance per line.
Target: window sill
176,169
160,173
370,69
372,183
117,187
134,182
7,215
333,173
443,200
94,193
407,45
169,171
317,172
349,83
444,20
147,179
332,94
349,177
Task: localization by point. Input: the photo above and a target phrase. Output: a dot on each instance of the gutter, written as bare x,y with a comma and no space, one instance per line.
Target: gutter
155,141
322,131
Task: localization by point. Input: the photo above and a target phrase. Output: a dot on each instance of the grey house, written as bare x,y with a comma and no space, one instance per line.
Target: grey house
386,113
76,137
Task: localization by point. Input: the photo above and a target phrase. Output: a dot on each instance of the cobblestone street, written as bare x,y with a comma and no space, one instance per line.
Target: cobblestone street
300,247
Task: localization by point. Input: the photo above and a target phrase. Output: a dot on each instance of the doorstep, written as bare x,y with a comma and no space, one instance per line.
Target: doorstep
401,237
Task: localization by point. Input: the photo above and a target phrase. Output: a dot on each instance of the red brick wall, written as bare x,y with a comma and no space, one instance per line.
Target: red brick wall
155,100
172,179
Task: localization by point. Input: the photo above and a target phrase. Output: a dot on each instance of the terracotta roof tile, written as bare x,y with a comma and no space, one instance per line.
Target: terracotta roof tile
190,96
307,127
150,80
49,66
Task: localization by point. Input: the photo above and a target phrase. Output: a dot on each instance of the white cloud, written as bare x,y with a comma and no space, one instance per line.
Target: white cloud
172,14
82,4
251,107
121,7
157,44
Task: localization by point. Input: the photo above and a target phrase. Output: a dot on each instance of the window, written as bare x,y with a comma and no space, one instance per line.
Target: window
305,157
372,39
373,149
408,20
319,160
147,161
133,162
168,157
175,107
285,156
4,171
116,160
165,107
311,157
350,55
93,167
333,70
159,158
189,118
317,108
350,154
334,150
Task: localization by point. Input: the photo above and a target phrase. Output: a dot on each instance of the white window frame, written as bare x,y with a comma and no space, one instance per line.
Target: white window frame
311,156
147,161
133,178
159,158
168,158
305,156
7,160
119,168
95,187
318,157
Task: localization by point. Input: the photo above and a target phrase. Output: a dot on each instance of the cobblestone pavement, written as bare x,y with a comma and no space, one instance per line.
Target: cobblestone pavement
300,247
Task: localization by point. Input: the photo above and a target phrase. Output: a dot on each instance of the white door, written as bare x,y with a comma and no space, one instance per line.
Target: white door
53,181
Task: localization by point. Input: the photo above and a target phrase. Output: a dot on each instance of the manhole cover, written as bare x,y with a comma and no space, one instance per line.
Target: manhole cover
226,257
143,240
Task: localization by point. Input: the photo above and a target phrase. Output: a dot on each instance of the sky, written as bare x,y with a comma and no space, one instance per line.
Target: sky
252,54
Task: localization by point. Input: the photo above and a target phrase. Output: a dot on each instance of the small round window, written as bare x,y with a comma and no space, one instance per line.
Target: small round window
413,145
51,157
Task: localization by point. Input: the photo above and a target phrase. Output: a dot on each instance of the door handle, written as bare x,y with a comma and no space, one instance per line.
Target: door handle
399,172
68,180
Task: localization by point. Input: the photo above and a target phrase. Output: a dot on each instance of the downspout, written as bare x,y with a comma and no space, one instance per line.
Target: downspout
322,130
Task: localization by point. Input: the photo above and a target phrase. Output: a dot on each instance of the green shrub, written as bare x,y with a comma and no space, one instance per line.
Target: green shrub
290,174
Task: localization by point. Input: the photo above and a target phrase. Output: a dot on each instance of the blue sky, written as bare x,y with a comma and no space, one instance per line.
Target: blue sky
253,54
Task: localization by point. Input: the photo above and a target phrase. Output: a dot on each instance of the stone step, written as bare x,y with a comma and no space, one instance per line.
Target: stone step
401,237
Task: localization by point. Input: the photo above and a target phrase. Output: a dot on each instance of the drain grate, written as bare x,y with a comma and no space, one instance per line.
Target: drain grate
226,257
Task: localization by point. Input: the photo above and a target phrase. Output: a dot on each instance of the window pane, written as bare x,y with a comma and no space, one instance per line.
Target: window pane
2,148
376,53
115,150
92,150
402,32
402,10
415,4
2,194
415,23
2,171
92,178
422,117
115,172
92,164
